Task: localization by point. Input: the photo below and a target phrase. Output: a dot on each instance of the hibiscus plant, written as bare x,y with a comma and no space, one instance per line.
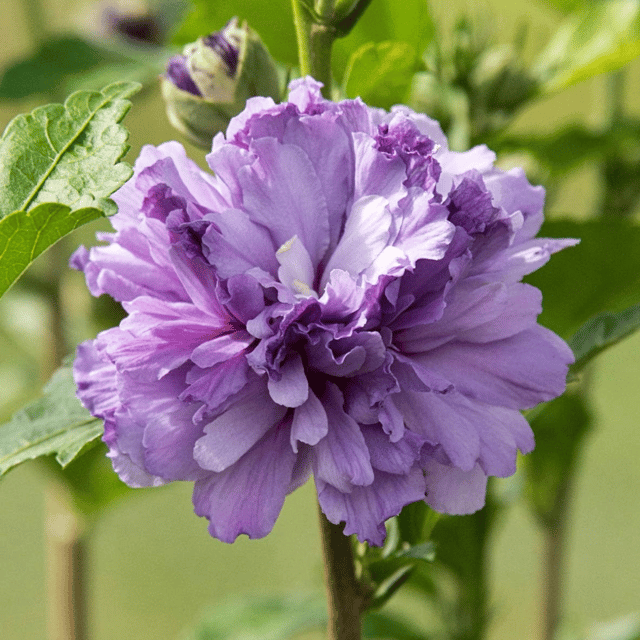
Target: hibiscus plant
345,290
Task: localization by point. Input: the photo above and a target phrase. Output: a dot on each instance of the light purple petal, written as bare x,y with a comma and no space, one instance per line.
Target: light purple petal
518,372
477,311
365,235
451,490
310,422
283,193
341,457
232,434
292,388
248,496
365,509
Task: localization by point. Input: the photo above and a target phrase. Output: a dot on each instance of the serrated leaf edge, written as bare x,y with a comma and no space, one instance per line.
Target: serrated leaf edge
110,94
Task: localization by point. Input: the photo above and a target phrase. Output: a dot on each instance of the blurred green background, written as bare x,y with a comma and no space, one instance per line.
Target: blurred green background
156,568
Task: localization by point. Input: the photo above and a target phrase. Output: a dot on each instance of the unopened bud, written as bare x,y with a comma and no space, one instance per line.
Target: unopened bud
501,80
211,81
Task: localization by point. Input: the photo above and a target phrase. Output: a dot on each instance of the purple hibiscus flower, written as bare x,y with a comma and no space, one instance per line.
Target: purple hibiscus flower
341,297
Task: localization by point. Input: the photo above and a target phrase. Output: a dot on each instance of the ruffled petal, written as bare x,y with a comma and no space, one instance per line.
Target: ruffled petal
517,372
248,496
341,458
365,509
229,436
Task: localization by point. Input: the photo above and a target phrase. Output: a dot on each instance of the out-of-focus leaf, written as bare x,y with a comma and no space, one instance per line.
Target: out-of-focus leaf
597,38
380,625
559,430
387,569
625,628
462,550
561,151
46,70
600,333
68,153
602,273
68,63
416,521
272,20
261,618
54,424
385,20
24,235
565,5
568,148
381,73
425,551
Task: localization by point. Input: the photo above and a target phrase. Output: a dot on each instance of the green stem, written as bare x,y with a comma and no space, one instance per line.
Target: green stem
345,596
619,196
615,98
314,46
324,8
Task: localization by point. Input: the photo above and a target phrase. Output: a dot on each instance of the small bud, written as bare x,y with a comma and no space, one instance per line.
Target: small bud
501,80
211,81
135,22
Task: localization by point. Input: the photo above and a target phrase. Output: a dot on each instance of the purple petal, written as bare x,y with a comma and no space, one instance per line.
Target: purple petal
310,422
283,193
292,388
248,496
216,385
392,457
232,434
517,372
365,235
341,457
451,490
365,509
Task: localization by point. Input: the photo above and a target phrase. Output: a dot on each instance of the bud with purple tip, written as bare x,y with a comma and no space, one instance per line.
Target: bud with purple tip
211,81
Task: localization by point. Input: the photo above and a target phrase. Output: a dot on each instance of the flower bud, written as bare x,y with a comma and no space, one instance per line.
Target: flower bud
501,80
211,81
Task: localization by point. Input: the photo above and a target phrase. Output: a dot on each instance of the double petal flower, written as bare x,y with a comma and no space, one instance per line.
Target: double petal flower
341,298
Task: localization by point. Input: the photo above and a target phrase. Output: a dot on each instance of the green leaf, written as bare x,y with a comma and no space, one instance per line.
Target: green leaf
559,430
600,333
565,6
625,628
67,63
600,274
597,38
24,235
69,154
381,73
46,70
54,424
384,20
261,618
416,522
381,625
425,551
